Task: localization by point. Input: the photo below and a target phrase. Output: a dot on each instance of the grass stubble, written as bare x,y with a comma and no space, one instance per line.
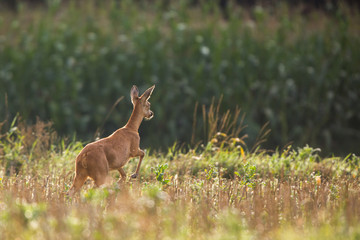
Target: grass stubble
213,191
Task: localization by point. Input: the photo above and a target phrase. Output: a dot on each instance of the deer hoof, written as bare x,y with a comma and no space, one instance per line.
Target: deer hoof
134,175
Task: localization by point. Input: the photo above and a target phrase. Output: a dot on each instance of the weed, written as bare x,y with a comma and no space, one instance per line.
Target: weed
247,175
159,171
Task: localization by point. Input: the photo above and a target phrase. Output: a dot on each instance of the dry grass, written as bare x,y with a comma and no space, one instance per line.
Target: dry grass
188,207
203,198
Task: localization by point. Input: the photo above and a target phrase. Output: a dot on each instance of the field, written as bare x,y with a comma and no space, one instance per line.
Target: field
69,63
222,83
214,191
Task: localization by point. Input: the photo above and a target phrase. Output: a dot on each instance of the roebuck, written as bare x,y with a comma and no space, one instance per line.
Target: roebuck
113,152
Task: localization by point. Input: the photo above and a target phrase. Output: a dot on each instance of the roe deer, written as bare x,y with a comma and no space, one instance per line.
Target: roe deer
111,153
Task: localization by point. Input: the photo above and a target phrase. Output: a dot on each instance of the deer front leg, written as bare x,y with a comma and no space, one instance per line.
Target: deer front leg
141,154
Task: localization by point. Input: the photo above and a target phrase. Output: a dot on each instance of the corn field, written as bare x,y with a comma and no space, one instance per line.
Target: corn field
70,62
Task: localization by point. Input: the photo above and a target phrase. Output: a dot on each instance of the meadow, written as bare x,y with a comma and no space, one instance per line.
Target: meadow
216,190
65,74
69,62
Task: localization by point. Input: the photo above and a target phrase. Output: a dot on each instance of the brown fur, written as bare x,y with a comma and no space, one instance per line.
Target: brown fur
113,152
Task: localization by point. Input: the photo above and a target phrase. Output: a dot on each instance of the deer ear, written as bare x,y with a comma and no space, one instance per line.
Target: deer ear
134,93
146,95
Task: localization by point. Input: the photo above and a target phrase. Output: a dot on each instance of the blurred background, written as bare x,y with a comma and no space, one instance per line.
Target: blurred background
292,64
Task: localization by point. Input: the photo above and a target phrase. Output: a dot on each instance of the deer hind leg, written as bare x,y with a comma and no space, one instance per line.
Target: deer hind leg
98,169
80,177
141,154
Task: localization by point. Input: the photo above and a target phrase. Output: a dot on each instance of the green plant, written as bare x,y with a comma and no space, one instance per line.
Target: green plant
12,148
159,171
211,173
247,175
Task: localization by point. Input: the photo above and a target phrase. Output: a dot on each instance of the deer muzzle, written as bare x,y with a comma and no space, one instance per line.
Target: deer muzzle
150,116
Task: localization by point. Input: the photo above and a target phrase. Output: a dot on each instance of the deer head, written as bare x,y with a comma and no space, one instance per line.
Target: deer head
141,104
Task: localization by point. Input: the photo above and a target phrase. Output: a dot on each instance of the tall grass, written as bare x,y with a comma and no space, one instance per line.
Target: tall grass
70,62
220,192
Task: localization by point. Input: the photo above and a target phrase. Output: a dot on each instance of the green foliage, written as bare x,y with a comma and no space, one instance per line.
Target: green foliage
159,171
247,175
70,63
211,173
12,147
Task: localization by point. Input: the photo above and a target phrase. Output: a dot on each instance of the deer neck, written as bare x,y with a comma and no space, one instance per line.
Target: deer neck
135,119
